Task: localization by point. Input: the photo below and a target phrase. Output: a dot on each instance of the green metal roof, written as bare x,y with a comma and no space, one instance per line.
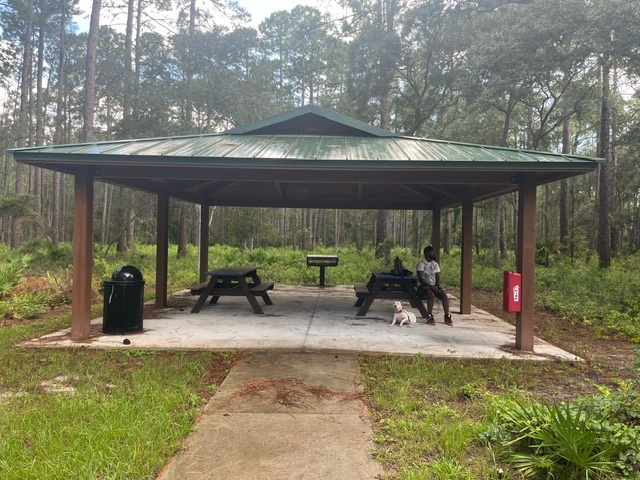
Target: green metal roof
310,157
289,149
312,120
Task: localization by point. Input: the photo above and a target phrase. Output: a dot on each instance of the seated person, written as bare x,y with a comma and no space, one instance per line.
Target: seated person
429,286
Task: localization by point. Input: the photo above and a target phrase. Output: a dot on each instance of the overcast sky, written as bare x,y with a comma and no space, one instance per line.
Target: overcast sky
259,10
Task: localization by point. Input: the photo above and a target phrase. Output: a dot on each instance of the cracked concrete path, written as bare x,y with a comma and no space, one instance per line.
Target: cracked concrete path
283,415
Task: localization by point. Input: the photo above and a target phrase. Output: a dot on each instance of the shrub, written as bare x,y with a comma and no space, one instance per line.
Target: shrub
10,276
27,306
593,437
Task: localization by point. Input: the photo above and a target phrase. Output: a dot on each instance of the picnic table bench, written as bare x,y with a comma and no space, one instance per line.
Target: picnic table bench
232,281
385,285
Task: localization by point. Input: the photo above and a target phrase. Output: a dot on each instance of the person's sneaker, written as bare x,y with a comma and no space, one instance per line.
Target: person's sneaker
430,320
448,320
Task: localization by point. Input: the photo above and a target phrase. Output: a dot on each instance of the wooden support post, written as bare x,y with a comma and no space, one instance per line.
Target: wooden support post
82,255
203,253
526,261
467,256
162,250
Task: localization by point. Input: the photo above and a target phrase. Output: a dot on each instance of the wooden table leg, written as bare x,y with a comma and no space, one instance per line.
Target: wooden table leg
415,298
250,296
373,293
267,299
255,278
224,285
204,295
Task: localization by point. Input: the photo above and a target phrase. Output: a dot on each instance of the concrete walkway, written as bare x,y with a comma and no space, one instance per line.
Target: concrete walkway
283,416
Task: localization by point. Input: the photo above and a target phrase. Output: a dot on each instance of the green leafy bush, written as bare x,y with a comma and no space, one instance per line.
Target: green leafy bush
10,276
594,437
27,306
576,289
41,255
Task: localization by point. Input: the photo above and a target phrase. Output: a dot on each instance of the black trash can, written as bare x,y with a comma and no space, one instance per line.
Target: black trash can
123,301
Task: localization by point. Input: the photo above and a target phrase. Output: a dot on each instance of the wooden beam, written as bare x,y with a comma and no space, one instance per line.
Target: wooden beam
467,256
425,192
162,250
203,249
211,186
526,262
82,255
478,193
280,191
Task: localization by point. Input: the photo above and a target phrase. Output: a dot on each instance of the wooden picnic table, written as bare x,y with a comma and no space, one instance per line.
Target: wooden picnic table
235,281
383,284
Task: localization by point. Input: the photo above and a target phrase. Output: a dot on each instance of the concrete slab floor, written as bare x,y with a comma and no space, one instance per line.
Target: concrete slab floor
317,319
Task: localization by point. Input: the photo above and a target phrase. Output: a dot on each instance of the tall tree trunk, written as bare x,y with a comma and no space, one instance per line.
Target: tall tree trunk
128,72
182,230
56,206
188,111
336,228
56,222
415,228
358,232
131,224
106,212
381,226
90,77
38,185
497,231
496,249
188,108
613,168
283,226
122,216
447,234
564,219
17,230
135,104
604,247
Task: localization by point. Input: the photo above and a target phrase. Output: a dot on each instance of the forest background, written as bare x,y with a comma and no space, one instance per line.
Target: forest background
532,74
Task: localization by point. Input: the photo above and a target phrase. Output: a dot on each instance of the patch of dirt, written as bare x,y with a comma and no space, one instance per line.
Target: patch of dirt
607,358
177,303
290,391
220,366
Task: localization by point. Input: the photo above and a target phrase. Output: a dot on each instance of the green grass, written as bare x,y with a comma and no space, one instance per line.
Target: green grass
129,411
427,413
124,416
438,419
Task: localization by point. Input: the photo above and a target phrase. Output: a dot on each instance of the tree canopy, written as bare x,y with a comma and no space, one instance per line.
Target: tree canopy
539,74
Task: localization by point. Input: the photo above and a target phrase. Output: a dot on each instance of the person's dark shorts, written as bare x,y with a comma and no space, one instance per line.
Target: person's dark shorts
424,292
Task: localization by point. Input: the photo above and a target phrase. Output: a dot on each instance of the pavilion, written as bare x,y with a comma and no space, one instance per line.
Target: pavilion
308,157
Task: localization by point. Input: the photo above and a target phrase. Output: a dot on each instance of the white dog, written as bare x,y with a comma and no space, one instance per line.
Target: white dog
401,315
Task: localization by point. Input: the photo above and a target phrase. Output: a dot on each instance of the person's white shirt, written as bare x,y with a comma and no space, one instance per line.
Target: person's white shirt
430,269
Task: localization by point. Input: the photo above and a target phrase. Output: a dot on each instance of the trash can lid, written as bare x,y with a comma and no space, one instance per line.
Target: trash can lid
127,272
